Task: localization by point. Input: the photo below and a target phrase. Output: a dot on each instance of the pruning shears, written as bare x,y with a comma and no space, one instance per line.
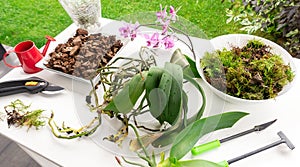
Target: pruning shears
30,85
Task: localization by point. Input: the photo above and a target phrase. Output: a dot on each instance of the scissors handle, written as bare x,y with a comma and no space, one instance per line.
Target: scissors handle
31,85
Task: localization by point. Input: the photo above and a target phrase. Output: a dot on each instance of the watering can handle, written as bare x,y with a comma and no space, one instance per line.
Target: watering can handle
49,39
6,63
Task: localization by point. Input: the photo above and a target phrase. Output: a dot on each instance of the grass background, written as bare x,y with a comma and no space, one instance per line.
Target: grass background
33,19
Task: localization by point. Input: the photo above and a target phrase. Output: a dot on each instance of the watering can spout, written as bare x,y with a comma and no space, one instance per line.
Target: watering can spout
49,39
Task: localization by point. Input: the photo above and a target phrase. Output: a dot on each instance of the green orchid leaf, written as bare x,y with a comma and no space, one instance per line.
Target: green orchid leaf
197,163
165,85
169,136
175,98
125,100
179,59
175,71
192,68
185,107
189,136
158,100
187,163
155,97
199,88
169,95
187,64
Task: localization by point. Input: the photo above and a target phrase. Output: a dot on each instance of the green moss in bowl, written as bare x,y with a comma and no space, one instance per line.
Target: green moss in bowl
249,72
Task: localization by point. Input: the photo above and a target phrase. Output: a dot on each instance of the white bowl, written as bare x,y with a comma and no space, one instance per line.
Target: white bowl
240,40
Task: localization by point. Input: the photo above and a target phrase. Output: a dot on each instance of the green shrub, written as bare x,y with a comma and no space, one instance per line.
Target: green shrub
279,18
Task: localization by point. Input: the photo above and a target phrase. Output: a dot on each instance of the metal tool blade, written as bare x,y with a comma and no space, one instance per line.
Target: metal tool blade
255,129
51,89
264,126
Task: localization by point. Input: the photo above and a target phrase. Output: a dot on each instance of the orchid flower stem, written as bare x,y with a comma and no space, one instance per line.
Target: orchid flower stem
191,47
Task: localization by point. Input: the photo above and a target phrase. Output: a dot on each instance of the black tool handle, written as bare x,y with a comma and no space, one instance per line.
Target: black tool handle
17,89
12,90
18,86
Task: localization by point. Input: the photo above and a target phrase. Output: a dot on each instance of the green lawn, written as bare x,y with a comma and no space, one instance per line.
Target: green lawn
33,19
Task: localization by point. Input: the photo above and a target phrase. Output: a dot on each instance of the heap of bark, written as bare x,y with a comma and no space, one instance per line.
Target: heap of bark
83,54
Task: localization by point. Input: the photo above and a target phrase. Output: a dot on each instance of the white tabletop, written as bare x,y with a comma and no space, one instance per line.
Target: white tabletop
84,152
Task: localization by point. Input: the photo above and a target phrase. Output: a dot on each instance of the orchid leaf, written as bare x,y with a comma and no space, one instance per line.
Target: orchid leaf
125,100
185,107
189,136
187,163
179,59
170,93
175,98
153,94
192,70
199,88
158,98
197,162
187,64
167,138
170,136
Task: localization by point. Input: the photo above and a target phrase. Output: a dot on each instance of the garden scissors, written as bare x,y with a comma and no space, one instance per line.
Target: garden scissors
30,85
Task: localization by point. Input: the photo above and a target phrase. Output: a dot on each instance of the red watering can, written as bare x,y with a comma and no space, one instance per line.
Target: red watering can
28,55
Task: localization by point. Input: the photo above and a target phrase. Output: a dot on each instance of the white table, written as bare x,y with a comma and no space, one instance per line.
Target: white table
50,151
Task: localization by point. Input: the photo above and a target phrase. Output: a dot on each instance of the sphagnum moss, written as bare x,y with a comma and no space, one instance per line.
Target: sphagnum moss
251,72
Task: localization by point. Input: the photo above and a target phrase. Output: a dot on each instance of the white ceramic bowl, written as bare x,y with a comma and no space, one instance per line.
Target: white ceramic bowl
227,41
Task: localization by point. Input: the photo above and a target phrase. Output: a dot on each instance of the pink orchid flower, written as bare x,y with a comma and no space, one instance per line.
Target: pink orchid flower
153,41
168,42
125,31
129,30
162,14
173,13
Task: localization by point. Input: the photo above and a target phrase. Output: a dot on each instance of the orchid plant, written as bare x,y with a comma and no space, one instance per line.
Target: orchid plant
181,68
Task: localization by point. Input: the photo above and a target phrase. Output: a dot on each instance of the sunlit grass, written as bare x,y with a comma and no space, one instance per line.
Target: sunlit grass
33,19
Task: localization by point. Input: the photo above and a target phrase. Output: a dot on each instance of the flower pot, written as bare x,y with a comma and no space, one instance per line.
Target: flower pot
85,14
